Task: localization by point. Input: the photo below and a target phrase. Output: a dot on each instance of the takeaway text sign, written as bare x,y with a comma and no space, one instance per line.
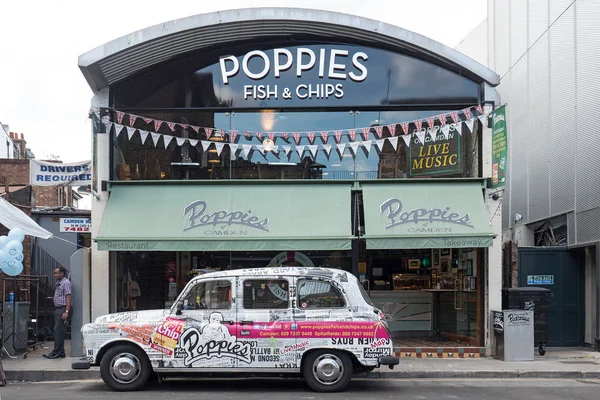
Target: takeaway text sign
331,64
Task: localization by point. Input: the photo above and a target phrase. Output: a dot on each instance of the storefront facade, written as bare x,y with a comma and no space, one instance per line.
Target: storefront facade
298,138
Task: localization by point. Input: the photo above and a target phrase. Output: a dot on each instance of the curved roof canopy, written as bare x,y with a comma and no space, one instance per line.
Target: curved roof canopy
141,50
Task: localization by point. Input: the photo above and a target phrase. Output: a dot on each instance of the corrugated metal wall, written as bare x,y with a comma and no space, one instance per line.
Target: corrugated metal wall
548,55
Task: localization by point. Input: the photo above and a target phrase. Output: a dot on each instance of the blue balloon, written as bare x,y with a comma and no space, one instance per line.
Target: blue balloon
16,234
13,249
3,241
13,268
19,257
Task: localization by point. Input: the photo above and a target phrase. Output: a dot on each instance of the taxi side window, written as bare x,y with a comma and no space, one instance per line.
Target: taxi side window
209,295
319,294
265,294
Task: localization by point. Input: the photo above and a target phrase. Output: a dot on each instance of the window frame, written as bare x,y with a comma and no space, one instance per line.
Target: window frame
262,278
301,280
231,282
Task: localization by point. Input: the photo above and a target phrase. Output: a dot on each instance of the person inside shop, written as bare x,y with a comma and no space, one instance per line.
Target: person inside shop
63,298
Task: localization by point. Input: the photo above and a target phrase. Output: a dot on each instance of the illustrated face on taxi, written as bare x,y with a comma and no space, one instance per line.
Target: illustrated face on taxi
313,321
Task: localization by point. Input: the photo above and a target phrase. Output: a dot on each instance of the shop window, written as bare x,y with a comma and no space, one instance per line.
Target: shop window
265,294
319,294
210,295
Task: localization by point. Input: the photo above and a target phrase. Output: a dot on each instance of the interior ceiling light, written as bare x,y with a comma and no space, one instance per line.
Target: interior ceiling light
216,161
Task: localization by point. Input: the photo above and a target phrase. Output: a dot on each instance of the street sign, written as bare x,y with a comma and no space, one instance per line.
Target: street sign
540,279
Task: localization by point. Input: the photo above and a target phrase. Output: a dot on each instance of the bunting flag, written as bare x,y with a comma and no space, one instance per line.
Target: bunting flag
379,131
467,112
338,135
180,141
379,144
421,136
118,129
108,126
445,131
324,136
354,147
167,139
470,123
219,147
157,124
247,135
392,129
313,150
297,137
418,125
406,139
144,136
233,149
148,120
340,149
458,128
285,135
171,126
120,116
367,146
208,132
246,149
311,137
454,115
205,145
352,133
394,142
327,150
272,136
233,136
365,133
442,119
130,132
479,109
132,119
300,150
155,138
193,142
259,135
405,128
286,149
430,122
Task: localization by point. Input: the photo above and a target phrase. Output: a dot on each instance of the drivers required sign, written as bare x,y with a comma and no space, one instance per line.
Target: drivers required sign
75,225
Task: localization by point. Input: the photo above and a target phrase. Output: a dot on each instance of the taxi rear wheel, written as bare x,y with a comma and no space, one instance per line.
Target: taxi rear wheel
125,368
327,370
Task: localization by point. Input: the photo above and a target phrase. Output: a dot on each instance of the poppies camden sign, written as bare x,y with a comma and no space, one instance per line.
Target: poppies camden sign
222,222
329,63
438,156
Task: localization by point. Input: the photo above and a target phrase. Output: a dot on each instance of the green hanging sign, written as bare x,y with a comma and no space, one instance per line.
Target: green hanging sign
499,147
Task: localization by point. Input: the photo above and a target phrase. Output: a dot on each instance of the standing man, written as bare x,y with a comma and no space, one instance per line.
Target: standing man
62,308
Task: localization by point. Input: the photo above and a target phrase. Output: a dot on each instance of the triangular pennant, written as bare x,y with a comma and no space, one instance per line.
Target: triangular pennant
297,137
445,131
352,134
167,139
220,132
482,119
405,128
313,150
394,142
157,124
130,132
108,126
479,109
272,136
285,135
148,120
300,150
171,126
470,123
379,143
327,150
120,116
430,122
324,136
155,138
354,147
219,146
340,149
379,131
458,128
338,135
442,119
180,141
367,146
467,112
311,137
194,128
418,125
208,132
286,149
365,133
392,129
118,129
421,136
454,115
132,119
406,139
143,135
246,149
193,142
233,136
259,135
205,144
247,135
232,149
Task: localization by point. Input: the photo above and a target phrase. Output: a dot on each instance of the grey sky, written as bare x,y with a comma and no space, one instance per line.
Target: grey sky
44,95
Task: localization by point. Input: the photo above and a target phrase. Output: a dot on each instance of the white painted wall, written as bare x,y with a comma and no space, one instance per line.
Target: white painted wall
475,44
7,146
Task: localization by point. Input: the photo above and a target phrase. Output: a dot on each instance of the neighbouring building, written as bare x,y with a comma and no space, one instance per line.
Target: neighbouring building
279,137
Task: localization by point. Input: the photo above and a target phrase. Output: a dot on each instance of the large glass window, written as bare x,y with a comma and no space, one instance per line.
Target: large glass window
265,294
209,295
319,294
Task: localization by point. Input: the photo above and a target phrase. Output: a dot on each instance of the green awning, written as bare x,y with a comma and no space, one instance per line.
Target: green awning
226,217
411,215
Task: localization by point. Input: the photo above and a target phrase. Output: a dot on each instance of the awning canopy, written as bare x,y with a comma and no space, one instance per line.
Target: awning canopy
11,217
432,214
203,215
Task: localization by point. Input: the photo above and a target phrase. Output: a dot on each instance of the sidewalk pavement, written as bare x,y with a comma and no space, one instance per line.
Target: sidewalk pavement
563,363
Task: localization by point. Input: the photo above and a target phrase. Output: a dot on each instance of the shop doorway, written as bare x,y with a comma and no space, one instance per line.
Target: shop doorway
563,272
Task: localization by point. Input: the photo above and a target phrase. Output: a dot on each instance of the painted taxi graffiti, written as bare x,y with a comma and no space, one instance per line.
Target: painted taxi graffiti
315,321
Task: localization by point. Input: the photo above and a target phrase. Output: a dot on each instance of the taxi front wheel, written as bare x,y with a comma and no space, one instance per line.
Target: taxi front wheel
125,368
327,370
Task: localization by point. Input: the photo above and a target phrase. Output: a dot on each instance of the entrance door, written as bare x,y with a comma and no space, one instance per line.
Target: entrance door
564,273
204,332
